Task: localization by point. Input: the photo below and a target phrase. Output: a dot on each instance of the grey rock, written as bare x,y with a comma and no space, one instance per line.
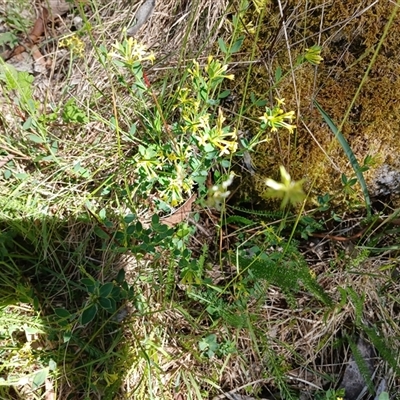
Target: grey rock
353,382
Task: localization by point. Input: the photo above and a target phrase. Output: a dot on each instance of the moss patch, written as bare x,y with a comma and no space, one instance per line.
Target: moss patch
349,33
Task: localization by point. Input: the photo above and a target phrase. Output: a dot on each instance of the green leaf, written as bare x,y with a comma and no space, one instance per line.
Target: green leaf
224,94
237,45
362,365
105,303
358,303
120,276
129,218
22,176
39,378
278,74
67,336
36,303
100,233
113,306
222,46
49,158
237,219
36,138
350,155
203,345
81,170
225,163
130,230
209,345
88,314
9,39
106,289
352,182
257,102
203,93
139,227
62,313
131,293
132,130
88,282
7,174
103,214
52,365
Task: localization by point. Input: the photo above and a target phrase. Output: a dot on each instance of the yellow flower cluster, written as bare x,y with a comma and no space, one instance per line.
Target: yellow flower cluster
219,137
287,190
276,117
74,44
131,52
313,55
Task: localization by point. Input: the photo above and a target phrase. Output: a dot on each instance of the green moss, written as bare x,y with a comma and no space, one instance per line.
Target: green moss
349,33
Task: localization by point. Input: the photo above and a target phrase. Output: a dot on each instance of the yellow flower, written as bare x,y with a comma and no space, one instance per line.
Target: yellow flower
287,190
181,152
110,378
173,194
277,118
195,71
259,5
216,71
130,52
313,55
218,193
75,45
219,137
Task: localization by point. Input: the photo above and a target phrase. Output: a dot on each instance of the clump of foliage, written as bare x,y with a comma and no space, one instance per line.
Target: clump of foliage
190,290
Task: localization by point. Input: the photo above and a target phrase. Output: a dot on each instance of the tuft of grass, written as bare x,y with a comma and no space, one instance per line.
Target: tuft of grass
349,153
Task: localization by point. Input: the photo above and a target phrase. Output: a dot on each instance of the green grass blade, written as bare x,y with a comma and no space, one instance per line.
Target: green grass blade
350,155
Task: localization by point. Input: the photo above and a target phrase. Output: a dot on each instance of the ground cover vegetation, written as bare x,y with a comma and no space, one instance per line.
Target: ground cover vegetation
197,212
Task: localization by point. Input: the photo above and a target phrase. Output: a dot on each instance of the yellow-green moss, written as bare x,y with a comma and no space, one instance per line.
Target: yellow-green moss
349,32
